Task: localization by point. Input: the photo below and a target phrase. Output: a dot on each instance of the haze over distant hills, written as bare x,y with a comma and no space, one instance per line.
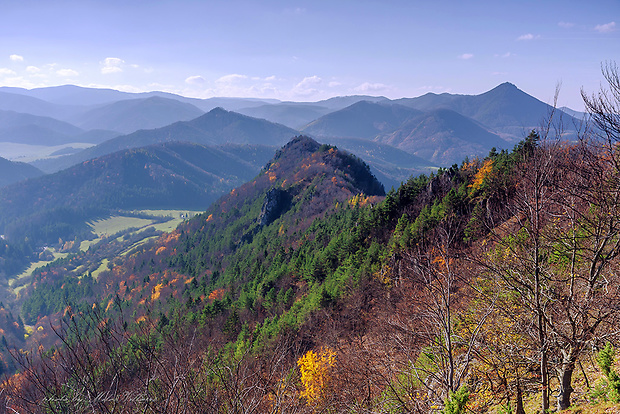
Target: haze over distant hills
444,137
441,129
134,114
505,108
362,119
217,127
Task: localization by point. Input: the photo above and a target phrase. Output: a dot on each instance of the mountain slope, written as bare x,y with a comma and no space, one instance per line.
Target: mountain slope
72,95
172,175
443,137
217,127
24,128
292,114
340,102
30,105
12,172
390,165
505,108
131,115
80,97
361,120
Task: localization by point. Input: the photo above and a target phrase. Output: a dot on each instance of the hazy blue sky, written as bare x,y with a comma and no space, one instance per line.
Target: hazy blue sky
310,50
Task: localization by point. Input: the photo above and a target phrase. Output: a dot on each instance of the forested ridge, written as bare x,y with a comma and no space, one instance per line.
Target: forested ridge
490,286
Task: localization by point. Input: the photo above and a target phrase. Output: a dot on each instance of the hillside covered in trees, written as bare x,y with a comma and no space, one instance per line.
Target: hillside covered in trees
491,286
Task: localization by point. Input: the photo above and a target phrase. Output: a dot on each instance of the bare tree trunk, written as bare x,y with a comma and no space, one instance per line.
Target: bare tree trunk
544,379
520,409
566,377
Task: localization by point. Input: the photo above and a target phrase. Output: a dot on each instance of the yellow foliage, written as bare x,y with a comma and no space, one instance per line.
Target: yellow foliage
482,174
316,374
157,291
210,218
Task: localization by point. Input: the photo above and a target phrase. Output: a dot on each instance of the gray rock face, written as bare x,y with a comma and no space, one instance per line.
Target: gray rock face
276,202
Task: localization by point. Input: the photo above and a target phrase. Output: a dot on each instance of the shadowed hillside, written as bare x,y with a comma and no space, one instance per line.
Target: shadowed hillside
12,172
172,175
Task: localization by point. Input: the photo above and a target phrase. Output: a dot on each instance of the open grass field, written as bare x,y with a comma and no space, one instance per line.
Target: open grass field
115,224
102,267
33,266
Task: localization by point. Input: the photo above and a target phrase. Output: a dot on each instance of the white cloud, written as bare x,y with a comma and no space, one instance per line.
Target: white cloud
20,82
16,58
466,56
370,87
307,86
566,25
270,78
111,69
309,80
232,78
33,69
505,55
130,88
67,73
434,89
195,80
606,28
334,84
528,36
112,65
6,72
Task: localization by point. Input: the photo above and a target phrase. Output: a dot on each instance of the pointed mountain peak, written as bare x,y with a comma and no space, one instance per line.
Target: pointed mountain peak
299,143
217,111
506,85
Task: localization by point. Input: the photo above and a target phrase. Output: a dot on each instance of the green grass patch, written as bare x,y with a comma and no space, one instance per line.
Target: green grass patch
115,224
102,267
136,244
35,265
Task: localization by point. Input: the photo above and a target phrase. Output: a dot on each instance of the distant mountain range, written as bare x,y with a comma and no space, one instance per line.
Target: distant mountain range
444,137
217,127
505,109
362,119
441,136
134,114
440,129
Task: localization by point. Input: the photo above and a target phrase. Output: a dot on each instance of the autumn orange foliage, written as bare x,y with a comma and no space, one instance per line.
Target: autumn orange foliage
216,294
482,174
